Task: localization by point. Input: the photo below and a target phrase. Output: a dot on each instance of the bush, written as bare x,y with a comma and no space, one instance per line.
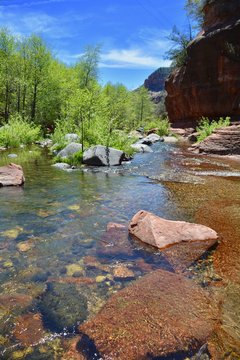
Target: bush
62,128
19,131
73,160
162,125
206,127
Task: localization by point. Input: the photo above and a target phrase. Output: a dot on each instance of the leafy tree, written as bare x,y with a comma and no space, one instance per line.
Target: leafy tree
143,107
7,68
194,11
87,66
39,65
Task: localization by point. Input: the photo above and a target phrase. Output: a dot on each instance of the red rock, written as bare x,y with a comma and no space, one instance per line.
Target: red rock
159,315
162,233
12,301
143,265
29,329
11,175
115,241
114,226
209,82
225,141
181,256
72,280
121,271
72,352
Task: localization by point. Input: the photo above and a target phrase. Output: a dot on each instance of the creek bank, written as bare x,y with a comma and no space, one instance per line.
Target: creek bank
11,175
224,141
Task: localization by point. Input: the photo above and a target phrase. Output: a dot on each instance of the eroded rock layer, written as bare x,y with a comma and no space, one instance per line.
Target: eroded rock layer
209,83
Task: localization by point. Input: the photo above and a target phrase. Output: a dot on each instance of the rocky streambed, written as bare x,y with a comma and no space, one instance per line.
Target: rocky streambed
74,285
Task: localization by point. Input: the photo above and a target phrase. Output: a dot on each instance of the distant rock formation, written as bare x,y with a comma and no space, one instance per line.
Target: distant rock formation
156,81
209,83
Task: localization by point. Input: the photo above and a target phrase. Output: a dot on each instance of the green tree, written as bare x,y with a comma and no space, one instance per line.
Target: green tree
143,107
7,68
87,66
39,65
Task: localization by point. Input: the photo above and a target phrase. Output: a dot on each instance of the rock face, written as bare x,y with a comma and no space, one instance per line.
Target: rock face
11,175
156,81
162,233
209,83
225,141
162,314
70,150
102,156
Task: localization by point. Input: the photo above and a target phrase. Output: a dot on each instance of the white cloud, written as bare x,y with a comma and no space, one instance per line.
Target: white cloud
131,58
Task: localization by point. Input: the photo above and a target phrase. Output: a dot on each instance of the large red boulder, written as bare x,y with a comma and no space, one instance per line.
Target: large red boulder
11,175
162,233
162,314
208,84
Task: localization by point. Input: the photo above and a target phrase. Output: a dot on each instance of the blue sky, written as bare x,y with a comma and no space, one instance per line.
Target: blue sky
132,33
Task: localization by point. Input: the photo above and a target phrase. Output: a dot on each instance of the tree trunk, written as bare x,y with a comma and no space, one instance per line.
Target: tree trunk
34,103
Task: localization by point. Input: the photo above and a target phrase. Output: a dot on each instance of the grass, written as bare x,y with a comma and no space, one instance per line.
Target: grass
206,127
73,160
18,132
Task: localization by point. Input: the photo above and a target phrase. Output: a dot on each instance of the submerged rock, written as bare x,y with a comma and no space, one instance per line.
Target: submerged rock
162,233
162,314
11,175
70,150
115,242
28,329
62,307
103,156
123,272
62,166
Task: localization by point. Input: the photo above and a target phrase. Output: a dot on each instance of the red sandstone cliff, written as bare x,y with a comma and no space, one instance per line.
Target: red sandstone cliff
209,83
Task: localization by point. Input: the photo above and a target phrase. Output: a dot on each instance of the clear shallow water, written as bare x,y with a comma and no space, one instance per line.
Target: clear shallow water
51,234
53,242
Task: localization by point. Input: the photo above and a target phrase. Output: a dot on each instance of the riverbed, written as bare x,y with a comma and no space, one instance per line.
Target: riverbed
54,240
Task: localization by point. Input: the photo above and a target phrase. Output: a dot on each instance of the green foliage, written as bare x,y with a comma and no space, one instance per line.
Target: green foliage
206,127
178,52
194,11
19,131
162,125
73,160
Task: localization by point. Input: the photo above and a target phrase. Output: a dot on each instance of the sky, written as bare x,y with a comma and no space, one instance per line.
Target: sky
133,34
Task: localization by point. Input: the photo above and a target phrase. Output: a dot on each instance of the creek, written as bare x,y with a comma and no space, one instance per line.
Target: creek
52,240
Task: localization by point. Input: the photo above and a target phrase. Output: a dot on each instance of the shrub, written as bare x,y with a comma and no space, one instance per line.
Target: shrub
162,125
62,128
19,131
206,127
73,160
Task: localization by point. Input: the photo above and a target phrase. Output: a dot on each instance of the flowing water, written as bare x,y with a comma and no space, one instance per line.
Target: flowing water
58,265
